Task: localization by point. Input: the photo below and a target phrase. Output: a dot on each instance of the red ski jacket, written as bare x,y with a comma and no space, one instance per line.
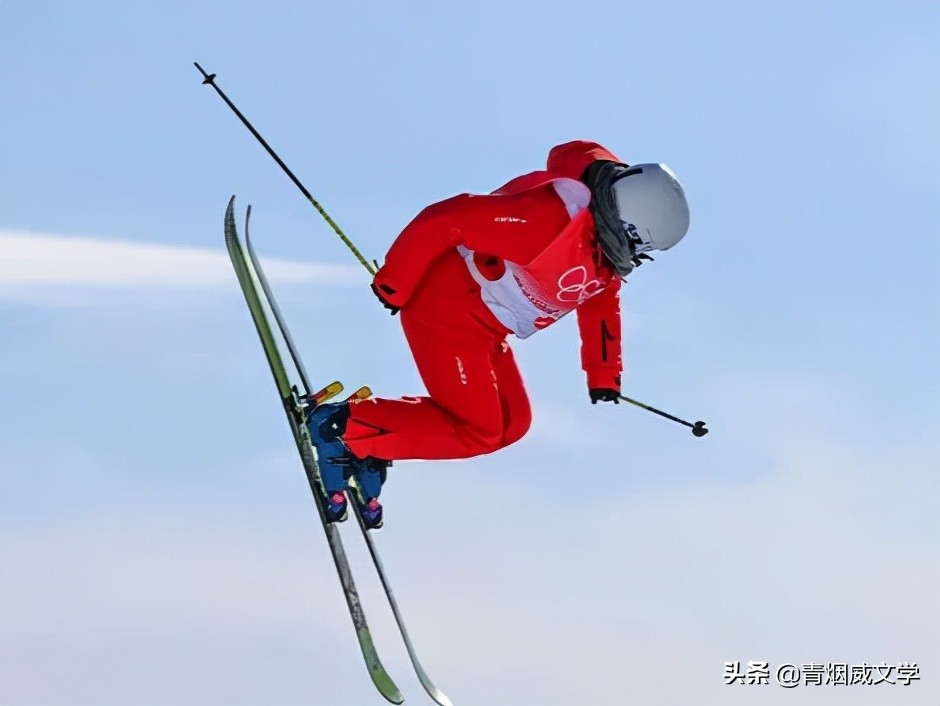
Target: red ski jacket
531,245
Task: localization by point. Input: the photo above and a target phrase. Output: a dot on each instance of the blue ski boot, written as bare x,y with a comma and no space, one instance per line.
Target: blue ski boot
326,423
370,475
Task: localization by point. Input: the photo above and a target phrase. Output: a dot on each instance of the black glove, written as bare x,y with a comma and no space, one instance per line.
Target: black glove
391,307
604,394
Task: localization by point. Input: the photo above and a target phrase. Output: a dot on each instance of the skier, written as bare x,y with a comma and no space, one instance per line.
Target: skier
472,269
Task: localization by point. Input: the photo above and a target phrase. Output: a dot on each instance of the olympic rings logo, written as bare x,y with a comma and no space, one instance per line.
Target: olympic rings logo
574,285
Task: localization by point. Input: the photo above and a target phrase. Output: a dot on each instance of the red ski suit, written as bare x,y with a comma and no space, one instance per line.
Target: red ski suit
470,270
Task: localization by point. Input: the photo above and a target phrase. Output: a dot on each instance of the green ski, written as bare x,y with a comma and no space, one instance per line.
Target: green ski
290,388
436,694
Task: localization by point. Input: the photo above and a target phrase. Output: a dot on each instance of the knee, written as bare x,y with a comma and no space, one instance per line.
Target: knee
486,439
499,430
494,439
520,420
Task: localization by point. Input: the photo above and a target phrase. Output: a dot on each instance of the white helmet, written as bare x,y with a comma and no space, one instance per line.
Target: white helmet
652,206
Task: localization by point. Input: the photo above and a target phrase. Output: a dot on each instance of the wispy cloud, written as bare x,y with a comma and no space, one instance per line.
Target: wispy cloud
34,261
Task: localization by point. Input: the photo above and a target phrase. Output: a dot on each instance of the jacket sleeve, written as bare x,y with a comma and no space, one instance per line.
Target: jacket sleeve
481,222
599,324
426,238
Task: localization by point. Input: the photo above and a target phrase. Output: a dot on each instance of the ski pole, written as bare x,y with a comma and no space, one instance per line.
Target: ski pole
210,80
698,429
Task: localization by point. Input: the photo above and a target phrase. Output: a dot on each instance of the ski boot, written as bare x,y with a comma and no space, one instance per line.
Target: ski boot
326,423
370,475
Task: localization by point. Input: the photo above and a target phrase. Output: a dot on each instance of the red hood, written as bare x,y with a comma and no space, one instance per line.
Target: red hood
572,158
567,160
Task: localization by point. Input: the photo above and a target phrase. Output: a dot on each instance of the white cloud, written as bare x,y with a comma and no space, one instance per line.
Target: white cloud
33,261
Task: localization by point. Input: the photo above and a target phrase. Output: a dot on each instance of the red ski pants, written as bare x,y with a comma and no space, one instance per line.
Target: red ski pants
476,400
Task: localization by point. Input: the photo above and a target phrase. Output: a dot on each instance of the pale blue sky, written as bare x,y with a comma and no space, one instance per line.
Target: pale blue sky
158,544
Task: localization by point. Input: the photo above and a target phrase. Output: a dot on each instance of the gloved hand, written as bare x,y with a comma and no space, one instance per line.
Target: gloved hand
391,307
604,394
